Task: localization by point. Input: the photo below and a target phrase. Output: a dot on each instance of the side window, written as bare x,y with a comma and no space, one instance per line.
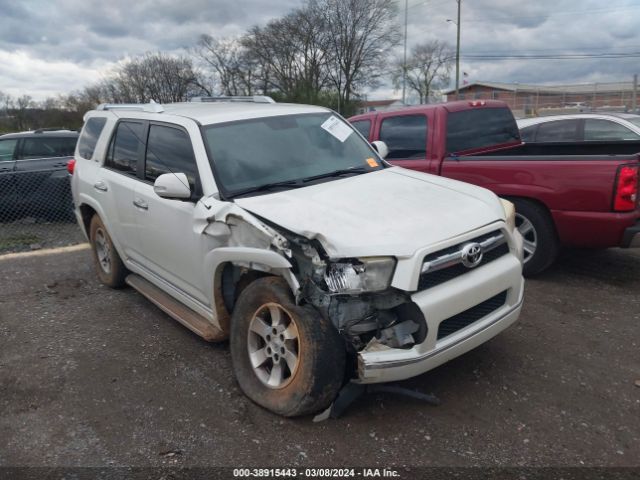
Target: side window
528,134
406,136
124,148
363,126
558,131
169,150
47,146
7,147
89,136
599,130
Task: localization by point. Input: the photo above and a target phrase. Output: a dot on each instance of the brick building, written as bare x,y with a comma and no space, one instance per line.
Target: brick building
379,105
527,100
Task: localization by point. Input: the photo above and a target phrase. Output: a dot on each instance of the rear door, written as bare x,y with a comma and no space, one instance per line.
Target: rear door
7,188
116,182
406,135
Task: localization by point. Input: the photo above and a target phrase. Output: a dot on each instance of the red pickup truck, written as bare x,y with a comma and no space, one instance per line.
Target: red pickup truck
581,195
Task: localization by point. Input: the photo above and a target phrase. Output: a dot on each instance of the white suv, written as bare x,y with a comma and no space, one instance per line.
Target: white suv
279,227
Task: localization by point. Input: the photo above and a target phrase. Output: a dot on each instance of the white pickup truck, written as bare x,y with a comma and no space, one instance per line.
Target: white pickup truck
281,228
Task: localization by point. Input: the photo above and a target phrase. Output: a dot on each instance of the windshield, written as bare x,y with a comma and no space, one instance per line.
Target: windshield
250,154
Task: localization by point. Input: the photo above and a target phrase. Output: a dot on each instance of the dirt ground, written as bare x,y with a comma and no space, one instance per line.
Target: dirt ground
95,377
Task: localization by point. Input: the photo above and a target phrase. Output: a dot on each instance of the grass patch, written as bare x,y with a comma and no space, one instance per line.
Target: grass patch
16,241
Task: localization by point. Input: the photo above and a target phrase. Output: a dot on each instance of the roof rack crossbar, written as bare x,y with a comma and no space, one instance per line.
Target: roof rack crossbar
235,98
151,107
52,129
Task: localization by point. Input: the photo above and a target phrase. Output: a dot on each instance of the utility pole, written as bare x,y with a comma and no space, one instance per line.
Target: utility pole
404,61
634,99
458,53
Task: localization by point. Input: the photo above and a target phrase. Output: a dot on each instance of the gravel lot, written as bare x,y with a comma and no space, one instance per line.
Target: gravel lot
96,377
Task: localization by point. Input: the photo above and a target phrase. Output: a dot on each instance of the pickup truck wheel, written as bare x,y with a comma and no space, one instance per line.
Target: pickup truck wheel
109,267
286,358
539,235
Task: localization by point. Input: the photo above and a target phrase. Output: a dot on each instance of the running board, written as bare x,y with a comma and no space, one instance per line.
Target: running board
172,307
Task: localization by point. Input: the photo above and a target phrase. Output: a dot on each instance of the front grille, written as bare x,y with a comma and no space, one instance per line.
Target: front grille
471,315
436,277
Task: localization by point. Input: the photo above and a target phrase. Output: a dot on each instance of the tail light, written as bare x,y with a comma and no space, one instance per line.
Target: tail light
71,165
626,194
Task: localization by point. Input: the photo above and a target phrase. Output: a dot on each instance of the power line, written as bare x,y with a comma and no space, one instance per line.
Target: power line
548,15
568,56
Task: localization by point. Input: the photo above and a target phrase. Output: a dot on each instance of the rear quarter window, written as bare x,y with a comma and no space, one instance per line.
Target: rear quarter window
89,136
483,127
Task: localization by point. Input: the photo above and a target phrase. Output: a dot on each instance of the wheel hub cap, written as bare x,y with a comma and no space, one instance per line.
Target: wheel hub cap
103,251
529,236
273,345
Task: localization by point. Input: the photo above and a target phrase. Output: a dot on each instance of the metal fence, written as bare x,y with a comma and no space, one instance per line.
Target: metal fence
534,100
36,211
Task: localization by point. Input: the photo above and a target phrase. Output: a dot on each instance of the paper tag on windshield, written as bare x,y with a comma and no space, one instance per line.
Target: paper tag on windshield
337,128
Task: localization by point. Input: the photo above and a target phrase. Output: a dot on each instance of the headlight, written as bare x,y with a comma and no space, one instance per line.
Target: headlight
370,274
509,213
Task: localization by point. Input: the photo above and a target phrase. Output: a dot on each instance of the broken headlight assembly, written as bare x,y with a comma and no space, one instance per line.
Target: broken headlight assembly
368,274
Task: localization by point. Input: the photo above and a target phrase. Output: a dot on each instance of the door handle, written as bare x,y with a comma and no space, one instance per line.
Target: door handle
101,186
139,203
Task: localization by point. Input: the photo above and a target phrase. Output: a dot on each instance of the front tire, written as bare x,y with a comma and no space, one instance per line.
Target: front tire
109,267
285,357
541,243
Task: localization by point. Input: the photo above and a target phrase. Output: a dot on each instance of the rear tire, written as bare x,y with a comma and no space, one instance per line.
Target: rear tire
109,267
541,245
286,358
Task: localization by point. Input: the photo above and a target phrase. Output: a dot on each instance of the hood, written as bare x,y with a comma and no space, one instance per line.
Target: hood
389,212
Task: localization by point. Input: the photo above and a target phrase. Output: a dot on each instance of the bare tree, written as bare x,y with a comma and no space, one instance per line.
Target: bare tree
294,51
361,35
153,76
428,69
22,105
233,69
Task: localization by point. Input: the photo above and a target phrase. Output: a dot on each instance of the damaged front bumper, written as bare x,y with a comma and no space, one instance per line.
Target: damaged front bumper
460,316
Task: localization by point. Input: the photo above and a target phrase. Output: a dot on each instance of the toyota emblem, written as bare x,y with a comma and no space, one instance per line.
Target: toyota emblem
471,255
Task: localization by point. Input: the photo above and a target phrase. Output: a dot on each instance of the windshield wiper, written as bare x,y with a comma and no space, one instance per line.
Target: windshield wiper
268,186
338,173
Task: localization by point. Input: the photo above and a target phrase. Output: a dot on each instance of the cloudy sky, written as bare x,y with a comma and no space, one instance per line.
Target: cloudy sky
57,46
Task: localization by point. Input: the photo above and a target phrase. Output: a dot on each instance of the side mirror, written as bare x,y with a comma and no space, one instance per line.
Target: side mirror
172,185
381,148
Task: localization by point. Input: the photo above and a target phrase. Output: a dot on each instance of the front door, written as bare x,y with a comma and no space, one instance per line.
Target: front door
168,241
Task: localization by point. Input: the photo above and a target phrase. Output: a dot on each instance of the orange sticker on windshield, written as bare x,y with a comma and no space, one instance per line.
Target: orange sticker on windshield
372,162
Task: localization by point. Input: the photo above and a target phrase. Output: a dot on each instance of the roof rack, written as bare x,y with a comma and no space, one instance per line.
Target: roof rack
151,107
237,98
53,129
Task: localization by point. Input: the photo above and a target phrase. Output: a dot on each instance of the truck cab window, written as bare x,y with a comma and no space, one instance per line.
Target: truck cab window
363,126
406,136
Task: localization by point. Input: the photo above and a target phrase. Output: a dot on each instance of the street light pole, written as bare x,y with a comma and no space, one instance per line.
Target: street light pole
404,61
458,53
